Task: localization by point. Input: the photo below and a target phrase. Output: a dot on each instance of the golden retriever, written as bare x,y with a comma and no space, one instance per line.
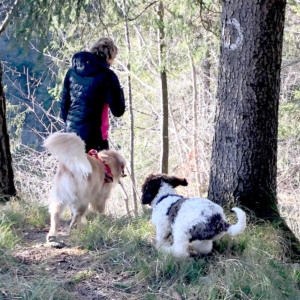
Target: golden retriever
80,178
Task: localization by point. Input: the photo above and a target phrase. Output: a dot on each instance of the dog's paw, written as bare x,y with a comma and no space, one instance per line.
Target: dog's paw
166,247
51,238
54,243
57,245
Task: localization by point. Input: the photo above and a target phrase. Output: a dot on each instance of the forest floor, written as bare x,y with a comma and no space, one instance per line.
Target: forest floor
115,258
79,272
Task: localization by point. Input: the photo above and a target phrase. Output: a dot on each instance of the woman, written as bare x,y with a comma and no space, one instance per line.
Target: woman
90,88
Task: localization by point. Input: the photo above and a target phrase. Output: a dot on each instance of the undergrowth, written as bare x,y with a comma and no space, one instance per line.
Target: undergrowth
115,258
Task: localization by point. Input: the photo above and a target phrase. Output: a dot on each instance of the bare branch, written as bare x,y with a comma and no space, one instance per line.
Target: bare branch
9,16
132,19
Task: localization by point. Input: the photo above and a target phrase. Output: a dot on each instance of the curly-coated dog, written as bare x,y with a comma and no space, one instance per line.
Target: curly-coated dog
81,180
194,221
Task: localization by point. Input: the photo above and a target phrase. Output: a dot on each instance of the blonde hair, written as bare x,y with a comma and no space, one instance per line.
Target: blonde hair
105,48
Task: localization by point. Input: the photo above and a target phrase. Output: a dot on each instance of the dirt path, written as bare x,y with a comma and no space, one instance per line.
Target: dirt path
81,272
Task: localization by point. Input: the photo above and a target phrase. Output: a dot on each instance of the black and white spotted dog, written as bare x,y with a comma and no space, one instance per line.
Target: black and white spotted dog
189,220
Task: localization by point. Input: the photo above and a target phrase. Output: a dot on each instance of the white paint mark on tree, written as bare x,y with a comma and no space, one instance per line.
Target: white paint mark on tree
227,39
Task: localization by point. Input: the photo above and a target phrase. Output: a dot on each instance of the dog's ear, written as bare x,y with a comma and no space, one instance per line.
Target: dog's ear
176,181
150,188
184,182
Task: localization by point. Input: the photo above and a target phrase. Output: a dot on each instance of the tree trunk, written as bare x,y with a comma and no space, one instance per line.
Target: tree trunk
243,167
164,91
7,187
205,66
195,122
135,205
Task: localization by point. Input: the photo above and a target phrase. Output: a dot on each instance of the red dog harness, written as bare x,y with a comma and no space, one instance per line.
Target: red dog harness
108,175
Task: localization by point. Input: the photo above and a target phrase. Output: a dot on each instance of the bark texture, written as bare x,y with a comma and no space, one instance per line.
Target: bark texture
243,168
7,187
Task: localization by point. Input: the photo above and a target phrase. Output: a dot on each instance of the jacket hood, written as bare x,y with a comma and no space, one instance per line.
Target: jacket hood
87,64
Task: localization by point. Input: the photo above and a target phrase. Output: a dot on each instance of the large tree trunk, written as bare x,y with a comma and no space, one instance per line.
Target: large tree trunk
243,168
7,187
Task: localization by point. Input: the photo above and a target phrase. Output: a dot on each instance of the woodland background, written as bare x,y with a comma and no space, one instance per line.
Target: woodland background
34,74
114,258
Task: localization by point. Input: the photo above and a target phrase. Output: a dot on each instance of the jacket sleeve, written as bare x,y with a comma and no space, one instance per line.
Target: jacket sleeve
115,97
65,98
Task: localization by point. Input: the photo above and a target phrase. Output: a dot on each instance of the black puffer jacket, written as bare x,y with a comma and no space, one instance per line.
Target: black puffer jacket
88,85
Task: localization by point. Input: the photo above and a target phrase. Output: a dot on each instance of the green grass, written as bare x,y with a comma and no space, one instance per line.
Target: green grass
116,258
22,213
38,288
249,267
8,239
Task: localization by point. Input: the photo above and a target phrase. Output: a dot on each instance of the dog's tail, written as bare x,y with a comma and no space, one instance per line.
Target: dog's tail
69,149
240,226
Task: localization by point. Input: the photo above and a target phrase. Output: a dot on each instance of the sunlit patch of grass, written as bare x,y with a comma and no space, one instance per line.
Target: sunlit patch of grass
38,216
248,278
14,213
111,232
8,238
22,213
36,288
82,275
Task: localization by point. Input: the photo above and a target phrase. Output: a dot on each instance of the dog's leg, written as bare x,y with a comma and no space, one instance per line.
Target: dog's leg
76,215
55,208
203,247
162,235
99,207
98,202
181,244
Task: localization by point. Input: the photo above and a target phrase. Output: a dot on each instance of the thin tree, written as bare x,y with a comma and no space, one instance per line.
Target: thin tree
243,165
195,121
128,46
164,90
